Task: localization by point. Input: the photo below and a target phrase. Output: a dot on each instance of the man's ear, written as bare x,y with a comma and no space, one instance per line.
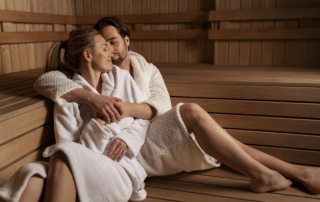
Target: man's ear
87,55
127,40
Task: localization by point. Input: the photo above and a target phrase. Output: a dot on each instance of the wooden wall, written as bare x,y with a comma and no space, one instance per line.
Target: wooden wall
19,57
267,52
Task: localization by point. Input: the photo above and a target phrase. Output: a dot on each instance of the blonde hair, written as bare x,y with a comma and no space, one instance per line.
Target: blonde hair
78,41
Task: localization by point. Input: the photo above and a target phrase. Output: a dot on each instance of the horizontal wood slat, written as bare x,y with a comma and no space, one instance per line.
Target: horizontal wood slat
273,139
243,34
261,108
41,18
293,155
149,18
8,171
25,144
168,35
26,37
40,116
265,14
246,92
260,123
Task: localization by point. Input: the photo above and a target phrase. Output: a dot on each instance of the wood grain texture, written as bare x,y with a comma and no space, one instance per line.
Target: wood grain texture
233,53
222,46
146,9
154,45
16,37
244,46
182,44
173,44
163,44
6,59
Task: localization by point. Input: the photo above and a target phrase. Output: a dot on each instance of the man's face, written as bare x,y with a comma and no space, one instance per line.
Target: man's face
115,41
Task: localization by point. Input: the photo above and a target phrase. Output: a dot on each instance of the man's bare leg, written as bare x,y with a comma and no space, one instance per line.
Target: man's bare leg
33,190
60,186
216,142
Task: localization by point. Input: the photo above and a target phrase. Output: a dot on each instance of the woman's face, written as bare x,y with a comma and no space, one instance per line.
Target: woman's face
101,57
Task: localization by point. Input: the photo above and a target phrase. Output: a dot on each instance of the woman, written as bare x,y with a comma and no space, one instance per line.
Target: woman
183,138
84,168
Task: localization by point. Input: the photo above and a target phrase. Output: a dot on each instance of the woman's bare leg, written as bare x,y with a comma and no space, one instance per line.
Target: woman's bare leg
216,142
60,185
308,176
33,190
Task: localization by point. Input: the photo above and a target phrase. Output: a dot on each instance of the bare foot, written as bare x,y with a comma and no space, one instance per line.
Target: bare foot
311,179
272,181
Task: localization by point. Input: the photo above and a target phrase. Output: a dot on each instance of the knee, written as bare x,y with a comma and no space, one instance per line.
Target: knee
191,114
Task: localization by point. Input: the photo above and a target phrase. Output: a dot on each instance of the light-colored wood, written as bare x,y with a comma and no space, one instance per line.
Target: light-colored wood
183,196
233,54
265,14
302,33
25,144
272,139
14,100
78,8
244,46
207,187
154,45
287,125
146,9
9,171
25,37
148,18
255,46
262,108
40,116
6,59
281,93
173,44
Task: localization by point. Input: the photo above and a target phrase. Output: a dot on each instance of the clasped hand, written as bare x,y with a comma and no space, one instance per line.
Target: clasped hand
118,149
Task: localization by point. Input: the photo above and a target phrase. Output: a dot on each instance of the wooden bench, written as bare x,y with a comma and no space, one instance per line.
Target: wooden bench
274,109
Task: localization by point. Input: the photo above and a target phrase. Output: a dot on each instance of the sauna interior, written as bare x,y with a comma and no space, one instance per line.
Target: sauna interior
253,65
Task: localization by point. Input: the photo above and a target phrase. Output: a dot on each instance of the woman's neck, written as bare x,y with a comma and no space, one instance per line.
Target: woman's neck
92,77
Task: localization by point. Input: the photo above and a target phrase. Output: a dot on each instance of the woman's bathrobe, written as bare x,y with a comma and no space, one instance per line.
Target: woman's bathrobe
86,144
169,148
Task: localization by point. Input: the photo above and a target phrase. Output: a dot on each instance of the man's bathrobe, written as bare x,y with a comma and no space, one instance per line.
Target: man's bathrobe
86,144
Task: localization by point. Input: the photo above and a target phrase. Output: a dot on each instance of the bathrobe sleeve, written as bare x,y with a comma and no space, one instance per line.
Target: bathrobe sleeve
134,136
160,98
66,122
53,85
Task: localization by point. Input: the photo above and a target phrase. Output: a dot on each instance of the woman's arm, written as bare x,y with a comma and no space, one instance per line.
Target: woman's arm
141,111
57,87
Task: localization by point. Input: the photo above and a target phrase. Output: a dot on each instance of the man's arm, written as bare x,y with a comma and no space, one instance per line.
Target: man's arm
141,111
57,87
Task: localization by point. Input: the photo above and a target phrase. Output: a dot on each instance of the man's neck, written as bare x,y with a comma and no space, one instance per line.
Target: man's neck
126,64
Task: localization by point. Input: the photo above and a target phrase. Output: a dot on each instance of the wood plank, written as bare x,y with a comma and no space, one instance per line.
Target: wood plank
233,54
183,196
244,46
25,144
103,7
191,44
136,9
298,94
302,33
226,177
222,46
8,172
146,49
168,35
111,9
206,186
164,45
6,59
148,18
264,14
27,17
261,108
40,116
15,94
154,45
287,125
173,44
23,107
14,100
25,37
256,46
267,46
286,140
293,155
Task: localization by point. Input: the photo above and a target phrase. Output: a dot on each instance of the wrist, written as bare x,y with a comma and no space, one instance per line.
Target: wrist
88,97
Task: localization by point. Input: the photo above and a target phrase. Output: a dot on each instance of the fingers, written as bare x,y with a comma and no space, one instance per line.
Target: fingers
110,113
116,113
118,150
117,99
119,108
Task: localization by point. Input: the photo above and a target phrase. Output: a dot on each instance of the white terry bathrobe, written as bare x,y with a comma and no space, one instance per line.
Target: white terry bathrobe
96,176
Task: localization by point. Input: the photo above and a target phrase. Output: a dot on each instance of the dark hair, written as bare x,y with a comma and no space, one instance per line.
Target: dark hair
123,30
78,41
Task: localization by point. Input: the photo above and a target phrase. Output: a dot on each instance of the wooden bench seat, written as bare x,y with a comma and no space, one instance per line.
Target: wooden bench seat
276,110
